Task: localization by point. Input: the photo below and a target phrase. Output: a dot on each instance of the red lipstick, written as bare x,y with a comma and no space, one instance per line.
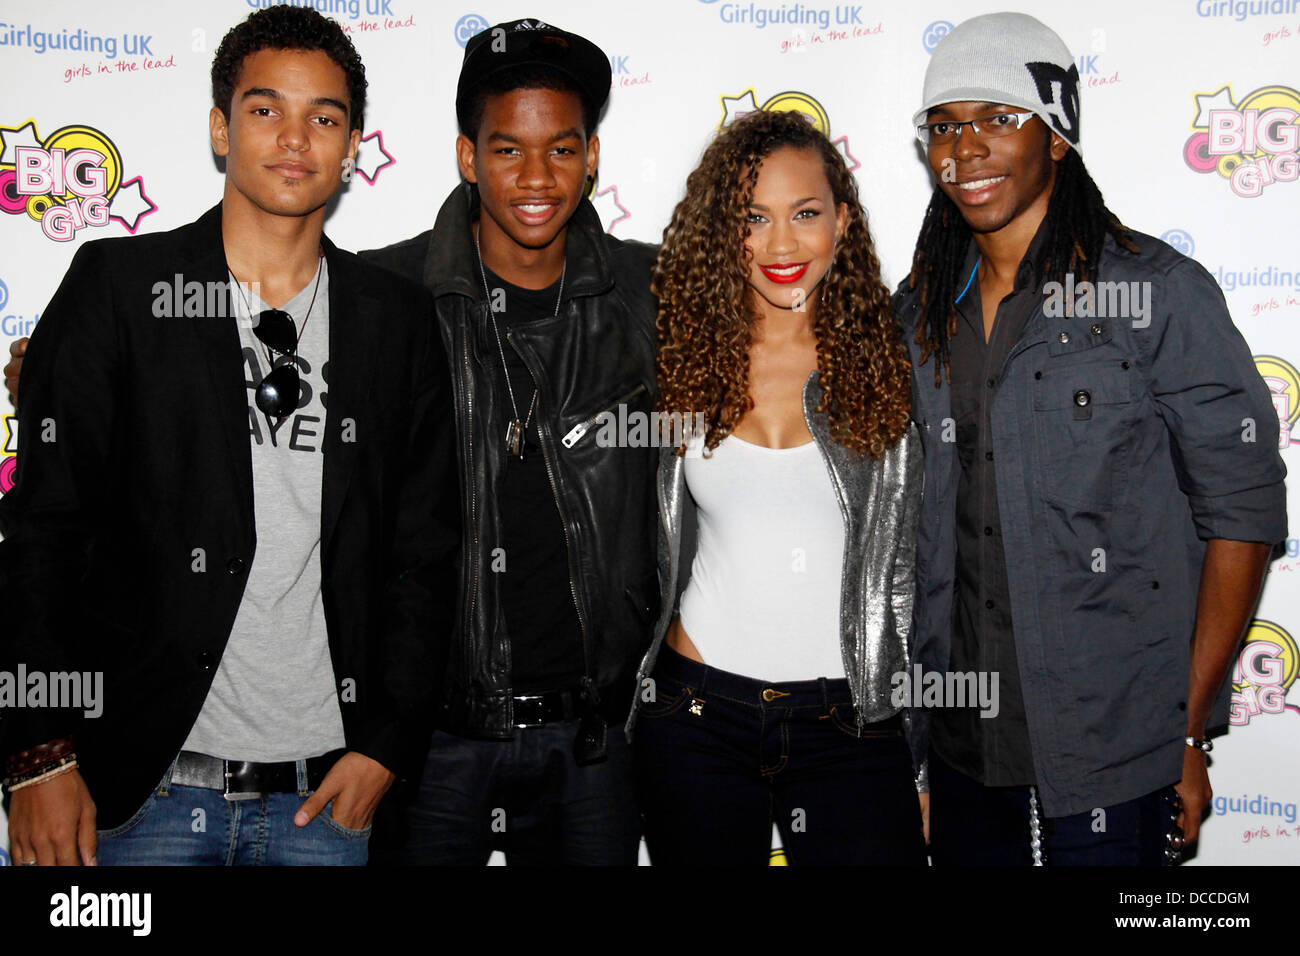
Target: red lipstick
785,273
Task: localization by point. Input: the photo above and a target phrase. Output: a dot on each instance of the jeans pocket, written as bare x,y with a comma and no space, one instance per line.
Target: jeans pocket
327,816
668,697
136,818
845,720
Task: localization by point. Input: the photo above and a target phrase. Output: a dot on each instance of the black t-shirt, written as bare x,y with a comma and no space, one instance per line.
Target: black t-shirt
536,593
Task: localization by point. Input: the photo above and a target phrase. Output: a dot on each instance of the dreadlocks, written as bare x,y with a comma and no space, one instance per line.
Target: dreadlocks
1077,224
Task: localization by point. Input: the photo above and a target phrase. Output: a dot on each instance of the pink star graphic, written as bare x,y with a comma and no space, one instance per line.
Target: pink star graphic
373,174
136,185
617,205
842,144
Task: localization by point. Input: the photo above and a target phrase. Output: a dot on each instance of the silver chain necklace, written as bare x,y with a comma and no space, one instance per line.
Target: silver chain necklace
516,428
316,288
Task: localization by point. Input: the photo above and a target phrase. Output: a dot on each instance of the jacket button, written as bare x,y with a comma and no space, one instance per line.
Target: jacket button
1123,365
989,604
235,565
988,456
1155,585
1038,375
1096,330
206,661
987,530
992,382
1064,338
1082,398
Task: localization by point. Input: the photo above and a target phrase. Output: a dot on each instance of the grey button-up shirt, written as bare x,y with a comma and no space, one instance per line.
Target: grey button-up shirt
1123,442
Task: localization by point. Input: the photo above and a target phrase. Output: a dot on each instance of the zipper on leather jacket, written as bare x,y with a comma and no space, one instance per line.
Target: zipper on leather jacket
666,522
577,431
544,436
473,493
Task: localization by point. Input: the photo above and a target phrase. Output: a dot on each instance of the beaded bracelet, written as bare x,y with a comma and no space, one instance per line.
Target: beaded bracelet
69,764
39,758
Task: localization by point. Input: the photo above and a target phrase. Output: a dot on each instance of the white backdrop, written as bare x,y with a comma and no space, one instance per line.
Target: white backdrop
129,80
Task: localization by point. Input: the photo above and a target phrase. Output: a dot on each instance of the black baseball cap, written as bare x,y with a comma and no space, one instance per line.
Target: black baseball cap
533,42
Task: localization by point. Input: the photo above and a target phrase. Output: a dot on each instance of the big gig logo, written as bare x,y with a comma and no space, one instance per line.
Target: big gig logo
1251,142
67,181
1264,672
1283,381
734,107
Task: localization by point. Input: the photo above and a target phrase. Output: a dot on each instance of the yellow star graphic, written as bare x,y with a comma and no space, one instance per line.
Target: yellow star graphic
14,136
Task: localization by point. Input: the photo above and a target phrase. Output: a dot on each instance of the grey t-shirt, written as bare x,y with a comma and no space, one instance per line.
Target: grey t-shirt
273,697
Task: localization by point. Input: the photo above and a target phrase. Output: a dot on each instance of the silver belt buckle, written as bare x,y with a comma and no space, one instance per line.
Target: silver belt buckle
522,697
232,796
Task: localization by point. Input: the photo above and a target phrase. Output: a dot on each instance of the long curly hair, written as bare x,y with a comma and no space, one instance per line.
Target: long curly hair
707,310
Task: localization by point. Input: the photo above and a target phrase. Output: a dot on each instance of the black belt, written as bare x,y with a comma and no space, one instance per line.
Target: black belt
534,710
246,779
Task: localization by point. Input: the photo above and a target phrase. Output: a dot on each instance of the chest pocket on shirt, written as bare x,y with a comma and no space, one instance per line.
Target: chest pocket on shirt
1081,427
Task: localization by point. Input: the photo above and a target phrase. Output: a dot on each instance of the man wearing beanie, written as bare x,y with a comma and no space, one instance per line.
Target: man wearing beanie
548,322
1102,479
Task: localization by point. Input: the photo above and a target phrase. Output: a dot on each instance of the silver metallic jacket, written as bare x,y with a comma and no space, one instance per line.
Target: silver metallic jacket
879,499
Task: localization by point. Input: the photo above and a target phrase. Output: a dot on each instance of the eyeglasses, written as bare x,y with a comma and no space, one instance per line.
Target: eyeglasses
986,127
277,394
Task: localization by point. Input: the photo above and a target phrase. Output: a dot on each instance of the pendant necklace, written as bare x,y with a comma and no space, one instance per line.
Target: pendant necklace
516,428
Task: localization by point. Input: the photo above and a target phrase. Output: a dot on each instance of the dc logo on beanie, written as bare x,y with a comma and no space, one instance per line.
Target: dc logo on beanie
1058,90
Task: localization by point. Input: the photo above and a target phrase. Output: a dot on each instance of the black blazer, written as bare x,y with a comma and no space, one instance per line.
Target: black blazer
130,531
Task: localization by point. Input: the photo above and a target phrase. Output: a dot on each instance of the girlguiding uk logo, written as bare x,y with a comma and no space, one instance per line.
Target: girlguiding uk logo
1251,142
468,27
933,33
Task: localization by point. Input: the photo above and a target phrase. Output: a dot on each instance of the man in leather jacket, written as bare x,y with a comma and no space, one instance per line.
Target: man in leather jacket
548,322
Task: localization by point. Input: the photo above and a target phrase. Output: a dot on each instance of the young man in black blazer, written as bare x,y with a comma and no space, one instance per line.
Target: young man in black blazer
236,501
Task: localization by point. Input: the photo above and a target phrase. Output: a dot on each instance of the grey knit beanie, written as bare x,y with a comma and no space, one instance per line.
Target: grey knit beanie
1006,58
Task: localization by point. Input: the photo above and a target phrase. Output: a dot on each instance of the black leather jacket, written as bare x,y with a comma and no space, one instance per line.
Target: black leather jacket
597,354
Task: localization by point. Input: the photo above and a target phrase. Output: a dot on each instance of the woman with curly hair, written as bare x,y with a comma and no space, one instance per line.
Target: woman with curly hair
786,526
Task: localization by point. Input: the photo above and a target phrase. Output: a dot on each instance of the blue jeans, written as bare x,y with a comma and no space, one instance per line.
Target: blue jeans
526,796
720,757
975,825
195,826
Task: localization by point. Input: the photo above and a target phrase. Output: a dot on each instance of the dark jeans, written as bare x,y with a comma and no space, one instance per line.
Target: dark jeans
527,797
975,825
720,757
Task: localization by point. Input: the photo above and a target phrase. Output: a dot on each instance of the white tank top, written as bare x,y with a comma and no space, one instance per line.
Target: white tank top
764,595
